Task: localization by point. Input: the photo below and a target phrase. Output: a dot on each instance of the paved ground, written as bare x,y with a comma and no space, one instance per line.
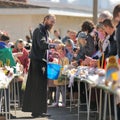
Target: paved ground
56,114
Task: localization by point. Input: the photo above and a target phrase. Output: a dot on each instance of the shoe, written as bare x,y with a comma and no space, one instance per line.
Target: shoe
45,115
35,115
55,105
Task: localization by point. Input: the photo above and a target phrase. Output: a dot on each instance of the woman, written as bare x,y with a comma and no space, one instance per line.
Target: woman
23,60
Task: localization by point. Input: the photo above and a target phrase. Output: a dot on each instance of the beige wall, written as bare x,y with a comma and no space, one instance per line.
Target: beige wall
18,25
63,23
15,25
66,22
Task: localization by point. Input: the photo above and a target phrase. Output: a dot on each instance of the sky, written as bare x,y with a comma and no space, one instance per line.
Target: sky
84,4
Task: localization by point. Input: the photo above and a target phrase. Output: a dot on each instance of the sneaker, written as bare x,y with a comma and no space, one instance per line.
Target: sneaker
55,105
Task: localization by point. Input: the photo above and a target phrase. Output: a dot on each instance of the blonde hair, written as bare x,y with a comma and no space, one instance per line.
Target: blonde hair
57,41
61,46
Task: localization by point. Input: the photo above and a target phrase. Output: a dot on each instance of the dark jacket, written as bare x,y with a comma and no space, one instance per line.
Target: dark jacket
39,43
113,46
118,39
81,54
88,49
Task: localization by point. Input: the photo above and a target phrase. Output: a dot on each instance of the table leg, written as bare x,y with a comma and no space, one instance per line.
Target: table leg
88,111
100,104
86,95
115,109
109,106
105,106
71,98
96,98
65,89
5,104
14,95
9,102
18,93
1,95
78,100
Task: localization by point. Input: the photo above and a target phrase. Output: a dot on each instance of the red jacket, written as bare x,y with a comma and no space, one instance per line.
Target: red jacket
24,59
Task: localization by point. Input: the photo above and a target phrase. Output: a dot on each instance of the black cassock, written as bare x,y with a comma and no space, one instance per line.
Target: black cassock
35,98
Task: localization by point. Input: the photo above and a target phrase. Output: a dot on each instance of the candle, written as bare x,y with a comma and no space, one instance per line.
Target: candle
98,65
102,63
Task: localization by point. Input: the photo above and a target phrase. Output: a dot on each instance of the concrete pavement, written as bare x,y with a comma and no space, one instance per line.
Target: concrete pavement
59,113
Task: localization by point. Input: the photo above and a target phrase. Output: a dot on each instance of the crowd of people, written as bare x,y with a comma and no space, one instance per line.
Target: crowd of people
91,44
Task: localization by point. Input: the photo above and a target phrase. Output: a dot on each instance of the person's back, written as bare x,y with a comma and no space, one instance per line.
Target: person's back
82,42
6,57
90,48
88,27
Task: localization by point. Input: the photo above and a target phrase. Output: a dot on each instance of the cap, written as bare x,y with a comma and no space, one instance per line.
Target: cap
82,35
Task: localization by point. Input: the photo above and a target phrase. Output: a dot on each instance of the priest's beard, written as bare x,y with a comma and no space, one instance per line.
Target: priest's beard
48,27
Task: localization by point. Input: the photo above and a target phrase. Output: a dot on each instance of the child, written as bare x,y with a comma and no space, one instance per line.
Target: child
53,57
69,46
60,84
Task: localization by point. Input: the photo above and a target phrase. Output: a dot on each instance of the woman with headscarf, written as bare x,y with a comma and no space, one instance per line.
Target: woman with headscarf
23,59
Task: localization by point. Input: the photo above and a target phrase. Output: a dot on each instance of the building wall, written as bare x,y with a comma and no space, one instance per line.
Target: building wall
15,25
66,22
18,25
63,23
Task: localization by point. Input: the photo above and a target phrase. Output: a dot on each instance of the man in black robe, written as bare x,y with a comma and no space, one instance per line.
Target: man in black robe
35,98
